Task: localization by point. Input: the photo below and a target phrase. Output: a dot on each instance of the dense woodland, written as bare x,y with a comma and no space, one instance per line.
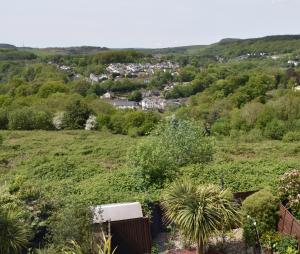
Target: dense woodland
240,125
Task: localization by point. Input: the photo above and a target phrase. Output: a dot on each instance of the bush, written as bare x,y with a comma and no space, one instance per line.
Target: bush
291,136
3,119
281,244
76,115
52,87
289,188
29,119
171,145
261,207
275,129
255,135
72,223
221,127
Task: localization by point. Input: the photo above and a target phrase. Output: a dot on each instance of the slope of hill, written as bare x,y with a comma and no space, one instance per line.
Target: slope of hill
6,46
279,44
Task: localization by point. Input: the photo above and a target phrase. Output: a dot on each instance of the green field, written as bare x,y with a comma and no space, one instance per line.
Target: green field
90,167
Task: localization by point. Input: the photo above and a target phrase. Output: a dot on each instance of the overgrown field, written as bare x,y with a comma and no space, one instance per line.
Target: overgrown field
90,167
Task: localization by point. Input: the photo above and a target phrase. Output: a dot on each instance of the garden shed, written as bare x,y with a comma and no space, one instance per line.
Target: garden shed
130,230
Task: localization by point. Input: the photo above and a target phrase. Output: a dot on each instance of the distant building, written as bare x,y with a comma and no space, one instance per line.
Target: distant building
293,63
123,104
94,78
152,103
108,95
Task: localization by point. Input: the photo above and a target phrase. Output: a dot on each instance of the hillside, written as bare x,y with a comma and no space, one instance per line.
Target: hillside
81,129
90,167
277,44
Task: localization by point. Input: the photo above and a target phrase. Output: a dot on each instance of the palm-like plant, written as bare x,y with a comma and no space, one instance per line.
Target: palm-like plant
14,233
199,211
104,248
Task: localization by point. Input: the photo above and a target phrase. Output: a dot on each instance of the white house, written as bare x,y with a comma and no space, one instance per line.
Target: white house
94,78
151,103
293,63
107,95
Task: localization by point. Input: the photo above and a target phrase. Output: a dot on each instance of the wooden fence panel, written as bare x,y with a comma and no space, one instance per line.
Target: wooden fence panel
132,236
288,224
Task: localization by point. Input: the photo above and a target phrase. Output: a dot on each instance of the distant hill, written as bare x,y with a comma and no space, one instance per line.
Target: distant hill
228,47
83,50
231,47
6,46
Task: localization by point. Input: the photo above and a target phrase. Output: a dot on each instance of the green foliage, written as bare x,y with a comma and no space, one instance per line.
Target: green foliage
291,136
259,211
199,212
3,119
29,119
53,87
135,96
76,114
289,188
275,129
14,233
133,123
72,223
172,144
281,244
118,56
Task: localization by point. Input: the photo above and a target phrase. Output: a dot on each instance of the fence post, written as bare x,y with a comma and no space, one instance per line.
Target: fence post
283,220
292,226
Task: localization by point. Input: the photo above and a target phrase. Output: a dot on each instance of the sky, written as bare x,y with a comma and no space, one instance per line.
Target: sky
142,23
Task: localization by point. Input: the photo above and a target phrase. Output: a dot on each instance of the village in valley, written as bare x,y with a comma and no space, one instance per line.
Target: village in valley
151,99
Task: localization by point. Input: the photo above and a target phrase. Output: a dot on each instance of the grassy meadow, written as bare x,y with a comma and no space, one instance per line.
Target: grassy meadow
90,167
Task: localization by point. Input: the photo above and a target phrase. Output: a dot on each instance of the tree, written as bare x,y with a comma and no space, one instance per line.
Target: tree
135,96
199,211
14,233
76,114
171,145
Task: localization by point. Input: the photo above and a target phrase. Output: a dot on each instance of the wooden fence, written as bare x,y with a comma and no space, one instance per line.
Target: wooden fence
288,224
131,236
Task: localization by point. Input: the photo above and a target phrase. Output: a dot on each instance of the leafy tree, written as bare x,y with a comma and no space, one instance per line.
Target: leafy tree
76,114
29,119
199,212
135,96
52,87
170,145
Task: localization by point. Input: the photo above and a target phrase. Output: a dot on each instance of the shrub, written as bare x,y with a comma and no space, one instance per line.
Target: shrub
221,127
291,136
14,233
91,123
72,223
29,119
50,88
275,129
289,190
171,145
76,115
261,207
58,120
153,162
255,135
281,244
3,119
